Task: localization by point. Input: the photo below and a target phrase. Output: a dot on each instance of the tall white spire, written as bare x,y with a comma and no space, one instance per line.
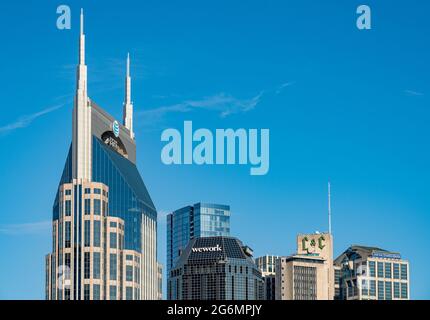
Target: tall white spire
128,105
81,140
82,68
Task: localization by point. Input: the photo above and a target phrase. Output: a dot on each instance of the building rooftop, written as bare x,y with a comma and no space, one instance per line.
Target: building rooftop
214,249
355,252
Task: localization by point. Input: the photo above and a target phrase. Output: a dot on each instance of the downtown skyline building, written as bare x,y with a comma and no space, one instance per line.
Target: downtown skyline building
371,273
267,265
194,221
216,268
309,273
104,224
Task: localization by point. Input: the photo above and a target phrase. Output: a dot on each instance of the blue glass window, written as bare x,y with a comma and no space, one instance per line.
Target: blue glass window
372,288
404,271
380,269
396,271
372,269
388,290
86,292
96,240
113,240
96,292
129,293
113,266
96,265
67,234
112,292
68,208
388,270
396,290
87,206
86,265
87,233
97,209
404,290
380,290
129,273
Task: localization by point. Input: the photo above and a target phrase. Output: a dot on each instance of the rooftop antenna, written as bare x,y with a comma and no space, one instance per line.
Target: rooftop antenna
329,208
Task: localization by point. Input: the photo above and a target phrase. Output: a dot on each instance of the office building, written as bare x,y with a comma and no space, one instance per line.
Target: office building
160,281
321,245
370,273
266,264
308,274
199,220
104,236
301,277
215,268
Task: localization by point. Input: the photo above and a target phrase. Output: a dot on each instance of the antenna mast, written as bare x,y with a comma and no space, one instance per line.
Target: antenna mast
329,208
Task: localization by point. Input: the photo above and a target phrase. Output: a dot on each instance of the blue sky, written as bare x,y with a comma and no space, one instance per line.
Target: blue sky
341,104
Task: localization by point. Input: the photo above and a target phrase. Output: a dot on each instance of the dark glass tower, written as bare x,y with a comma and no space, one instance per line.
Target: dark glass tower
215,268
199,220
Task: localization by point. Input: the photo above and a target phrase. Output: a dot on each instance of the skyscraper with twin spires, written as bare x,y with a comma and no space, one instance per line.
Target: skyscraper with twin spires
104,222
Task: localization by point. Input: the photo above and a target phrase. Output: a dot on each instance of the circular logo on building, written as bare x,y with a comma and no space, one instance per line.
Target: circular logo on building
115,128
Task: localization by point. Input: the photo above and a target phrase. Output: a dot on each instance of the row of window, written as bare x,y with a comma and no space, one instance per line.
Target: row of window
113,236
68,192
97,207
112,292
389,270
400,290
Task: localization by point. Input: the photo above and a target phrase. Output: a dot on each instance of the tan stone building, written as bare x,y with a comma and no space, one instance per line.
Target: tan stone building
309,274
321,245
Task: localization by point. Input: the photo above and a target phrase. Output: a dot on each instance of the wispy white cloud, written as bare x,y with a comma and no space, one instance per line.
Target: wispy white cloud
283,86
39,227
26,120
222,103
413,93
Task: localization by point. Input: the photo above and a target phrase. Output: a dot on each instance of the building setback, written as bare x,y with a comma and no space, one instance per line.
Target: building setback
370,273
104,221
215,268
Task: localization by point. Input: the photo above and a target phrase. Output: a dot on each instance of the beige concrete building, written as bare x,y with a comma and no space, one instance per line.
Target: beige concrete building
370,273
321,245
301,277
308,274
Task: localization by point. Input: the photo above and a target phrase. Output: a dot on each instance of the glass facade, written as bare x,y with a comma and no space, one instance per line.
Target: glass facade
102,211
215,268
387,274
128,196
200,220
